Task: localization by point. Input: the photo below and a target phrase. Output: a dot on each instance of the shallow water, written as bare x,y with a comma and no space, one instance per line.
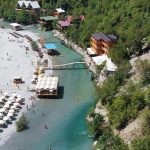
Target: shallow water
64,117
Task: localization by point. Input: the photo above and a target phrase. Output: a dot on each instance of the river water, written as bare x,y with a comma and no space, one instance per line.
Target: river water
65,116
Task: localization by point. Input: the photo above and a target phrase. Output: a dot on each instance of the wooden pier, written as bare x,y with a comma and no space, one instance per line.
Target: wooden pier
67,66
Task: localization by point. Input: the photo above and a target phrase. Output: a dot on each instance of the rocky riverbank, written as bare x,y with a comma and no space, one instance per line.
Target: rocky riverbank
89,62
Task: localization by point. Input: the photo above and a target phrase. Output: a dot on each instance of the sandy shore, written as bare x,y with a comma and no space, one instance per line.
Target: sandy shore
14,61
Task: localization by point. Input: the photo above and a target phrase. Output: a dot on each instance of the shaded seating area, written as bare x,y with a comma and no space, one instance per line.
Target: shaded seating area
9,107
18,80
47,86
46,22
16,26
51,49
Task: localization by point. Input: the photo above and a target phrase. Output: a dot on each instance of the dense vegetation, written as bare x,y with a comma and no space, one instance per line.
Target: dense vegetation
21,124
101,133
129,20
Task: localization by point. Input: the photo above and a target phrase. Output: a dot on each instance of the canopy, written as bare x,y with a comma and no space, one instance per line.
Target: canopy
18,96
18,99
10,114
1,100
16,104
5,94
47,83
32,80
11,111
34,76
2,110
2,122
1,115
2,97
48,18
11,98
6,118
13,107
9,102
109,66
90,51
60,10
18,78
14,94
6,106
15,25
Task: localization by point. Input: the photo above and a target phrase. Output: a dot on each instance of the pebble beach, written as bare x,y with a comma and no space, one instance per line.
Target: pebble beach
16,61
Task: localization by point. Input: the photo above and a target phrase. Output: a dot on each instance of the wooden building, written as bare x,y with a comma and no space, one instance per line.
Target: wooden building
70,20
58,12
63,24
47,86
32,6
46,22
101,43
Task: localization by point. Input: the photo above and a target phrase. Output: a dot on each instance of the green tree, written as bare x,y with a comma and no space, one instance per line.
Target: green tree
141,144
22,123
144,68
22,17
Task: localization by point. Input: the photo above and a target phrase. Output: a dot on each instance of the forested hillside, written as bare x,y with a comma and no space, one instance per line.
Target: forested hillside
129,20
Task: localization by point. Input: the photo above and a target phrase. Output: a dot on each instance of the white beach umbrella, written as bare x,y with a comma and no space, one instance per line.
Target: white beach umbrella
6,106
5,94
34,76
19,96
12,99
10,114
11,111
6,118
41,75
18,100
9,102
2,122
13,107
16,104
2,97
1,115
1,100
14,95
2,110
32,80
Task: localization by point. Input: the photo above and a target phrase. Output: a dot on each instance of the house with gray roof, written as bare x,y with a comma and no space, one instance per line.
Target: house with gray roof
101,43
27,5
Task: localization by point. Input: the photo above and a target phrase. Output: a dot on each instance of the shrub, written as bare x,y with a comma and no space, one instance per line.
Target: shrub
144,68
34,45
141,144
107,141
145,121
95,127
22,123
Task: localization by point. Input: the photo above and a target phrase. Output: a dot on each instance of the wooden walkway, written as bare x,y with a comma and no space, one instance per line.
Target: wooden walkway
67,66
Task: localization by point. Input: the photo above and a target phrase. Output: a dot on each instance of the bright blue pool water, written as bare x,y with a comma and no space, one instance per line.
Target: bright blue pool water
65,117
50,46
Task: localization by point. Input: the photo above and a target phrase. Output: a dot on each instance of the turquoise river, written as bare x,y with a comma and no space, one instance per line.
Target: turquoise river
65,117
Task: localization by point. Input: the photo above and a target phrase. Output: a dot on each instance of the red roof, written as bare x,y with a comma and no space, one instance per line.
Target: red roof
64,23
